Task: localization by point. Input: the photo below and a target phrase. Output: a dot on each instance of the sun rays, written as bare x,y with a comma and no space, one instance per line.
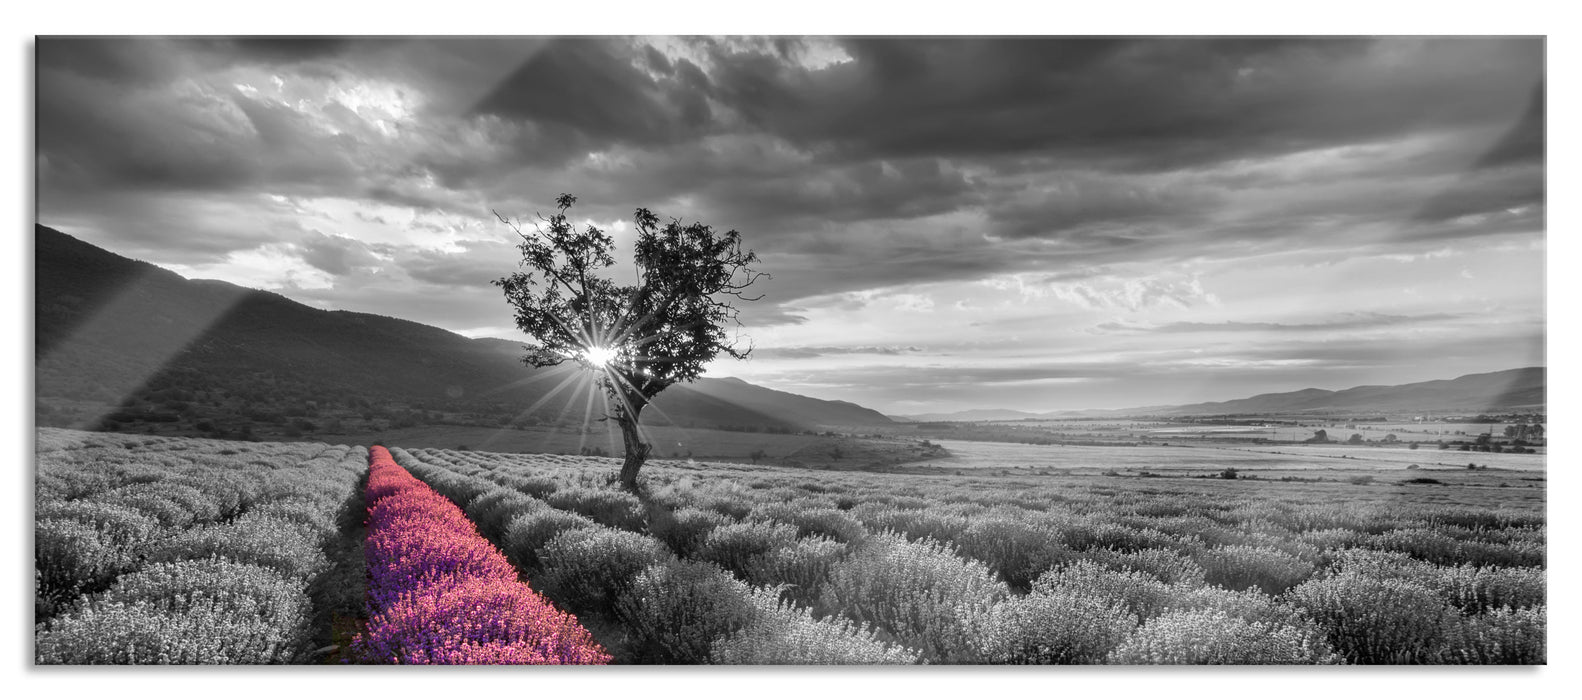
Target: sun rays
599,356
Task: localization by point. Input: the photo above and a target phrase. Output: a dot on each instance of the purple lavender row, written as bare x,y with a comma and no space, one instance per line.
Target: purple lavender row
439,593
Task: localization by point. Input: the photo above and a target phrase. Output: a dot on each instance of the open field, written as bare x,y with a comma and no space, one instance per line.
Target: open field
797,450
719,562
1276,429
972,454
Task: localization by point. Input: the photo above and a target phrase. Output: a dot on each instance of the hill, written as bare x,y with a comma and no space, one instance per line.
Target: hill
121,343
1521,389
1493,391
978,414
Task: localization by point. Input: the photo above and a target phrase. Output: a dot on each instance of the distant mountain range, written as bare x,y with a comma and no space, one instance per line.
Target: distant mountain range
132,340
1514,389
1493,391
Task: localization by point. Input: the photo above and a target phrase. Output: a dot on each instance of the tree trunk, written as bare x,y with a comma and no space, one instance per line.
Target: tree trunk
636,449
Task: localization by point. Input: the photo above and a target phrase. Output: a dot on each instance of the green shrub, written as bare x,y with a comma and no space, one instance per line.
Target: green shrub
676,611
1378,621
921,592
1215,637
527,533
1239,567
587,569
784,634
1053,627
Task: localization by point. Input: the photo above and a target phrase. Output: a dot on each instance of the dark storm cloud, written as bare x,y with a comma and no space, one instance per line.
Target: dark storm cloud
161,124
336,255
94,134
1524,142
279,49
476,265
1148,103
1067,204
594,88
902,189
133,61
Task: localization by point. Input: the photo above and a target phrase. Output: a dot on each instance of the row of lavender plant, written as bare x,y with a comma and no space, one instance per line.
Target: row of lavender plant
1083,573
594,554
181,551
441,594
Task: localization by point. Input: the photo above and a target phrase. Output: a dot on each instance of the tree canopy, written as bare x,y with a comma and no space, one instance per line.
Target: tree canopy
636,338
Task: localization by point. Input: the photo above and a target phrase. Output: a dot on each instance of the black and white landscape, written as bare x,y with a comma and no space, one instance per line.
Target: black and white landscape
1124,350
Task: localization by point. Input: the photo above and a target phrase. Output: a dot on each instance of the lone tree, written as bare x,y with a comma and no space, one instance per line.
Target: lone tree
637,339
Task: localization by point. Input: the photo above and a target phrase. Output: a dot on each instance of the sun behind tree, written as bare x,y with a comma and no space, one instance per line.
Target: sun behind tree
637,339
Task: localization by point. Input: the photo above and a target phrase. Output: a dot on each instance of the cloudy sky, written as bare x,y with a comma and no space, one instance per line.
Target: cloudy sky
953,223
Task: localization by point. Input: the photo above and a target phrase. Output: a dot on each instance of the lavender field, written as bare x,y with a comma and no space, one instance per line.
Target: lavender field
169,550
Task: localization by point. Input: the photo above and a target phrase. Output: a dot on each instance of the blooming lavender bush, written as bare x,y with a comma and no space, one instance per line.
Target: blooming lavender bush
1240,567
587,569
1140,593
1053,627
441,594
527,533
687,528
676,610
606,507
1378,621
201,631
1215,637
738,546
784,633
919,591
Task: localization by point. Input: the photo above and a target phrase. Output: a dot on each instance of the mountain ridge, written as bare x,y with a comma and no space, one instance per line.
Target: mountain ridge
152,345
1518,388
